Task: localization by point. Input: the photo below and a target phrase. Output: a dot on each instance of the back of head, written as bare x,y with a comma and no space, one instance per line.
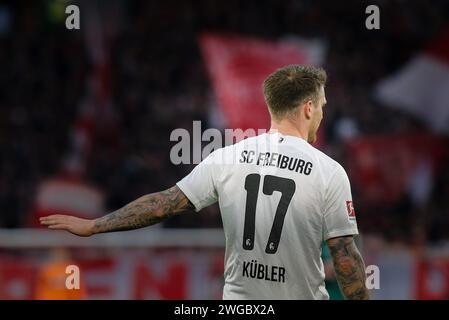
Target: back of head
288,87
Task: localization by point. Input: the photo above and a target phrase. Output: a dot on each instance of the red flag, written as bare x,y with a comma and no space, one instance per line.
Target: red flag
382,167
238,66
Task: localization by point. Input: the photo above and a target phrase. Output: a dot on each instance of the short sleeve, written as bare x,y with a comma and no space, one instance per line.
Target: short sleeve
339,213
199,185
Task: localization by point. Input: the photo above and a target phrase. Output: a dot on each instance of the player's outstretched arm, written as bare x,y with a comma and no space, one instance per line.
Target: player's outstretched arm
349,268
145,211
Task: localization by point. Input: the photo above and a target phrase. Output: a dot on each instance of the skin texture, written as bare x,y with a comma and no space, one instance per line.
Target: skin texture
349,268
145,211
316,115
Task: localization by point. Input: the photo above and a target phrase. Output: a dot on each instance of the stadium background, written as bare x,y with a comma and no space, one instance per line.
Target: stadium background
86,117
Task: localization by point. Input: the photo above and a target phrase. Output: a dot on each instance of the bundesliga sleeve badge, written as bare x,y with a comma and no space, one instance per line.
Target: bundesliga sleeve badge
350,208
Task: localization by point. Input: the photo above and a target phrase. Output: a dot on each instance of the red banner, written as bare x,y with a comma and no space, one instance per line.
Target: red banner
432,279
238,66
381,167
158,274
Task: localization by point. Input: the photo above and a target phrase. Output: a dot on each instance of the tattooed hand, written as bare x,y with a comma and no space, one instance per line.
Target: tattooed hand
349,268
145,211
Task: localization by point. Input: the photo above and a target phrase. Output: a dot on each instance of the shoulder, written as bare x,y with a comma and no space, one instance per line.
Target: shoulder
250,141
231,150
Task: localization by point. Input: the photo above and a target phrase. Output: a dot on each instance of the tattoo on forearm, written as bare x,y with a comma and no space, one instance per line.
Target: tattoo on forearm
349,268
145,211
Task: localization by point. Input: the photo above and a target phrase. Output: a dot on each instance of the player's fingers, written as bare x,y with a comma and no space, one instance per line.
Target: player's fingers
48,217
46,222
53,219
53,216
58,227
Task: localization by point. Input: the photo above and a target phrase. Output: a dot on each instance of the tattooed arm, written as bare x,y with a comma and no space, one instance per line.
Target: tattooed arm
349,268
145,211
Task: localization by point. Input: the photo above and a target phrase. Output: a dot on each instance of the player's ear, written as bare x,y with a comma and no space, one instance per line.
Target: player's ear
308,109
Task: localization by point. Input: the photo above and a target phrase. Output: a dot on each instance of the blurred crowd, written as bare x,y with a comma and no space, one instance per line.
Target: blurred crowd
159,83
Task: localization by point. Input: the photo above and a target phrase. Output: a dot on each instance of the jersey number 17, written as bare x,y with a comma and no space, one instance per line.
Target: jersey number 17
270,184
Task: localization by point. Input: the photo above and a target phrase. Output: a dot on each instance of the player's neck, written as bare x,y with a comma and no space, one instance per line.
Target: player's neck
288,128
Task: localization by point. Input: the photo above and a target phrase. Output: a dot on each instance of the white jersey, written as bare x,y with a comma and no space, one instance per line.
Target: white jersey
279,198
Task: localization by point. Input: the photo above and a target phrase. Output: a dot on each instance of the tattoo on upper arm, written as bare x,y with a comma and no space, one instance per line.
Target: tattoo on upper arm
175,201
349,267
146,210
